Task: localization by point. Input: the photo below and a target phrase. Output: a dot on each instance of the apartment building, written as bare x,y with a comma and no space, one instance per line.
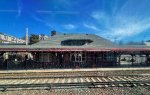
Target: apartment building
7,39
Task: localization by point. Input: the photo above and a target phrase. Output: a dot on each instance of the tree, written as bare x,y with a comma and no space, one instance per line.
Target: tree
33,38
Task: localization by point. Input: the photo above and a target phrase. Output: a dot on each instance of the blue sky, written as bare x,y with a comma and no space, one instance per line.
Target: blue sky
124,20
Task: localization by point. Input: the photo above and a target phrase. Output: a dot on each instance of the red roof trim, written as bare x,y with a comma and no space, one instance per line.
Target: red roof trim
74,49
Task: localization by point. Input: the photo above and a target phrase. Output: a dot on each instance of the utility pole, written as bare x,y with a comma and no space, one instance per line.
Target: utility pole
26,36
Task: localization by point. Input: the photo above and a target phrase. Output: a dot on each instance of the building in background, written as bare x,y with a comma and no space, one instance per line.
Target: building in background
147,43
42,37
7,39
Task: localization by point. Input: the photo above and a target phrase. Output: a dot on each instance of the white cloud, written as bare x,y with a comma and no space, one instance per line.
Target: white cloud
99,15
56,12
19,7
64,4
69,26
101,18
42,21
90,26
130,29
120,26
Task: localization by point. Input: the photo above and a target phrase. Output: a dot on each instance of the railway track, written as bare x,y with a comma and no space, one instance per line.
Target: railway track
49,82
71,73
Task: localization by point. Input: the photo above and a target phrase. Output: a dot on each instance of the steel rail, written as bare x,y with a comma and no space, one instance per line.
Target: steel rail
48,86
65,76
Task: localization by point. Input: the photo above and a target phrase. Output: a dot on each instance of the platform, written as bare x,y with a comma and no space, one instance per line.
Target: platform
73,70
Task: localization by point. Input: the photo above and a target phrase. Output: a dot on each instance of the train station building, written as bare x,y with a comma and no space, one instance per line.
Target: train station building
72,51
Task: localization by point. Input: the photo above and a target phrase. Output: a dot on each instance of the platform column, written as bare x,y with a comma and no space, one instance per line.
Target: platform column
147,59
115,58
6,57
132,59
1,60
119,58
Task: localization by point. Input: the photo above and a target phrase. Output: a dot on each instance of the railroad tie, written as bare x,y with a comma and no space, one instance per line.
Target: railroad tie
88,80
133,79
99,79
148,84
37,81
63,80
66,80
144,78
116,79
81,80
44,80
31,81
13,81
93,79
106,85
128,79
2,82
141,84
105,79
19,81
25,81
99,86
134,84
110,79
113,85
128,85
122,79
56,80
69,80
75,80
8,81
120,85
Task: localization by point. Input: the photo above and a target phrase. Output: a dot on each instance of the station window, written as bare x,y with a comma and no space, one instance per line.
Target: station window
77,57
45,57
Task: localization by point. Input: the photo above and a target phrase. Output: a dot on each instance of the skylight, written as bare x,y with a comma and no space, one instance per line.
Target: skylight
76,42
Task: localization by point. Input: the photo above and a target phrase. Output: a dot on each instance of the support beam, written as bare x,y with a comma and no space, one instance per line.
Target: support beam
115,58
147,59
118,58
132,60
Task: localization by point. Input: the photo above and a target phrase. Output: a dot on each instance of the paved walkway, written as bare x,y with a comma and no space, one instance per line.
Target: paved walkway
72,70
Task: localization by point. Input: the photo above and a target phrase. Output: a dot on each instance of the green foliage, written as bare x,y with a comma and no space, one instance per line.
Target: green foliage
33,38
